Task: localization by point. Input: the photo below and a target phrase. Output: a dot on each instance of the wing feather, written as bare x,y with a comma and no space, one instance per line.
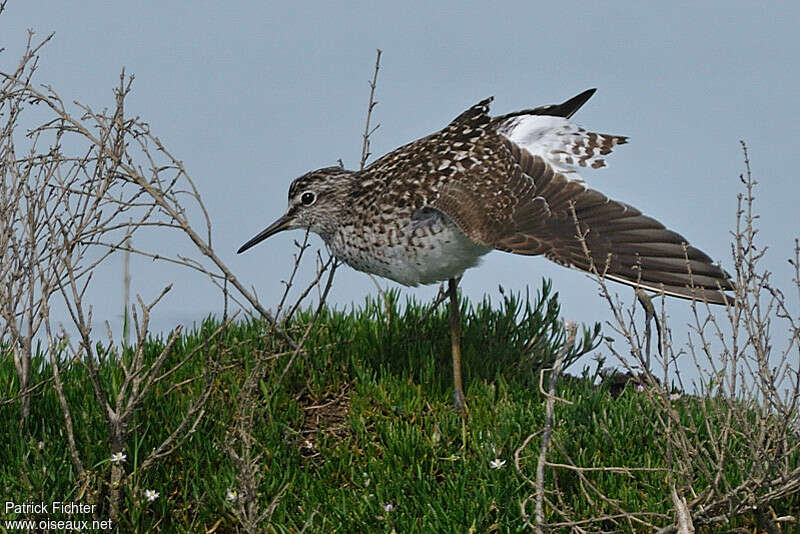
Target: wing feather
537,219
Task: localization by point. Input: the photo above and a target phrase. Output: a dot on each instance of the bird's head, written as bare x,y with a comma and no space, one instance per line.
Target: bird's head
314,200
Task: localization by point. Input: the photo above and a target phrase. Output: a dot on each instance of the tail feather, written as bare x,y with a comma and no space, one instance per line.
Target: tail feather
545,131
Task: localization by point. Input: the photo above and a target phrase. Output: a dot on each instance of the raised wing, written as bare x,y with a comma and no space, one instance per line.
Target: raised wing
546,132
538,210
566,109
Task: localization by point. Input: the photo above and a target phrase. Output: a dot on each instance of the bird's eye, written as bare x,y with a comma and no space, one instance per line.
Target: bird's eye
308,198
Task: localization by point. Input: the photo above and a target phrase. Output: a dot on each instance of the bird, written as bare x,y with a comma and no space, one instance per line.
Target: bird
431,209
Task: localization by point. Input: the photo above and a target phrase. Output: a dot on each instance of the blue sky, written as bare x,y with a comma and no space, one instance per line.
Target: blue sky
252,94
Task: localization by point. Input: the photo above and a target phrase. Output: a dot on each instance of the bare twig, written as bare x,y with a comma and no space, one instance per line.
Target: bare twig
365,153
732,453
61,216
548,424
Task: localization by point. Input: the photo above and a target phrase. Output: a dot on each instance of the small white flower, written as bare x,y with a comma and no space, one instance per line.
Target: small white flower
150,495
639,387
674,396
231,495
388,507
497,463
118,457
41,445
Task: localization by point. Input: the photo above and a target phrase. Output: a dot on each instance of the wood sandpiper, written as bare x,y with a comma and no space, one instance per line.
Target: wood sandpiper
426,212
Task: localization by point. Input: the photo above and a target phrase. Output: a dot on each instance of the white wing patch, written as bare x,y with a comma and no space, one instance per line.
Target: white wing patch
566,146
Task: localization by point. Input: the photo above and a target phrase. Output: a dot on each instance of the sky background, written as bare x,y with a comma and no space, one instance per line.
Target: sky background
250,95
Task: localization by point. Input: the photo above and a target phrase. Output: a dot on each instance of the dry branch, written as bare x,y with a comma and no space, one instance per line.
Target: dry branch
739,456
62,215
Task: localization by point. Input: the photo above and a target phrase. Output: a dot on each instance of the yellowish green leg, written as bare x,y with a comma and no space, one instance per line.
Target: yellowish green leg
459,401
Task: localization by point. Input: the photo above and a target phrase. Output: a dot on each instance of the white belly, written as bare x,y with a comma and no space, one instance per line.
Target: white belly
439,253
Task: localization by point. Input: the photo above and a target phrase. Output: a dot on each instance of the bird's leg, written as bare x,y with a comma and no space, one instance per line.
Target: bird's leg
649,314
455,342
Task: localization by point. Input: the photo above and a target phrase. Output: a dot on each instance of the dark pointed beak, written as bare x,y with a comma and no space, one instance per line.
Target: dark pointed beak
278,226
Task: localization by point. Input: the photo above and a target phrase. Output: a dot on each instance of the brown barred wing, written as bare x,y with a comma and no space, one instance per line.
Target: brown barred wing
623,244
